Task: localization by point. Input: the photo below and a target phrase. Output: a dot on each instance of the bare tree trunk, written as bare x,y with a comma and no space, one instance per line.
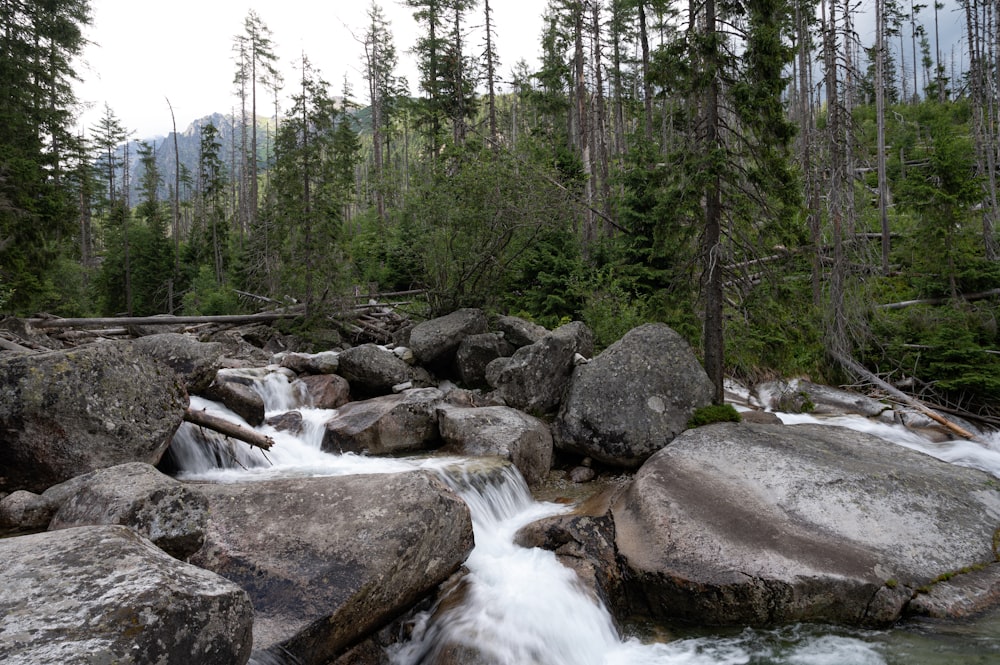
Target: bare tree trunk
712,250
647,91
176,208
883,185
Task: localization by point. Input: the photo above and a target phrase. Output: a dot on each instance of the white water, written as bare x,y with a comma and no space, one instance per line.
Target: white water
521,606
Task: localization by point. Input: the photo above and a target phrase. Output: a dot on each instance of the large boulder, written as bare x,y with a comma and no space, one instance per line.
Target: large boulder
195,362
372,369
385,425
519,332
763,524
68,412
633,398
534,379
435,342
326,362
171,514
475,353
326,391
327,561
106,595
500,431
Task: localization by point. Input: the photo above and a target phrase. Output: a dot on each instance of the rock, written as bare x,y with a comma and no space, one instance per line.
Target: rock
503,432
586,545
519,332
534,379
195,362
633,398
801,396
435,342
106,595
372,370
25,511
289,421
474,354
237,351
960,596
327,561
172,515
326,391
68,412
239,398
760,417
760,524
387,424
582,474
327,362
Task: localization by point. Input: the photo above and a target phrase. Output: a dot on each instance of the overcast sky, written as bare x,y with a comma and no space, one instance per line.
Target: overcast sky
182,50
144,52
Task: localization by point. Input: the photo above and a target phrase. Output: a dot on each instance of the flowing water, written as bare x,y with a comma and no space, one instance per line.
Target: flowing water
520,606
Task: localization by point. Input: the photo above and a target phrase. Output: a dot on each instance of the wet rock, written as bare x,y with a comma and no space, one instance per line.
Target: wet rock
761,524
239,398
500,431
172,515
801,396
387,424
326,391
633,398
69,412
289,421
106,595
327,561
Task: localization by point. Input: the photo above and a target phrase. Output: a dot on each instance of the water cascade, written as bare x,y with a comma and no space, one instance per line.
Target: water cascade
521,606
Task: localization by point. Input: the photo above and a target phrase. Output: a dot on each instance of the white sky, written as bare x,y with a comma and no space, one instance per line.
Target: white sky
144,52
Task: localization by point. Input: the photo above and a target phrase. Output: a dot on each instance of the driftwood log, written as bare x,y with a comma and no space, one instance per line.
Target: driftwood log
856,368
223,426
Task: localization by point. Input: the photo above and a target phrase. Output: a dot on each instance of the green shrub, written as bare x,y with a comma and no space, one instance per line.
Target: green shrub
714,413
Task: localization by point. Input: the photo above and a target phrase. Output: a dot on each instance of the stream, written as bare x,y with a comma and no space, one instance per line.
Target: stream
522,607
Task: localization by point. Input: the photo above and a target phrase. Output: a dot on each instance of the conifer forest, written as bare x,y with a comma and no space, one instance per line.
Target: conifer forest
791,194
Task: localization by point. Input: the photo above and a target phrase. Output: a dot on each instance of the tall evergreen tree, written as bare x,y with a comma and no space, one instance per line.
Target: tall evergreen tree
38,42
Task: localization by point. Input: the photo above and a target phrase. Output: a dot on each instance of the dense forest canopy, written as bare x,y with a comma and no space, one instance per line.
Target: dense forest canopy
748,171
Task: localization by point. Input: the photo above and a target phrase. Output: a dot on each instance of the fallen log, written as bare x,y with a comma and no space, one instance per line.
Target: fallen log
968,297
856,368
223,426
159,320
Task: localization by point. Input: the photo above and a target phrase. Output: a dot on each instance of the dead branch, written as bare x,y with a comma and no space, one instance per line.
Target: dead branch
856,368
969,297
223,426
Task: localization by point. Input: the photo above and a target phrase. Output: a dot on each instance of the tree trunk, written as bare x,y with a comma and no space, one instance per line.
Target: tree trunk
233,430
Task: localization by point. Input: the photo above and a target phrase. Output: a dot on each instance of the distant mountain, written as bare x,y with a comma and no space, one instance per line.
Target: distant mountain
188,145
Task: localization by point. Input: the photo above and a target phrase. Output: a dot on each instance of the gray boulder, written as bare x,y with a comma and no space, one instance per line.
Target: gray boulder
326,391
503,432
68,412
763,524
534,379
25,511
387,424
519,332
171,514
435,342
372,369
475,353
328,561
195,362
238,397
633,398
106,595
327,362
